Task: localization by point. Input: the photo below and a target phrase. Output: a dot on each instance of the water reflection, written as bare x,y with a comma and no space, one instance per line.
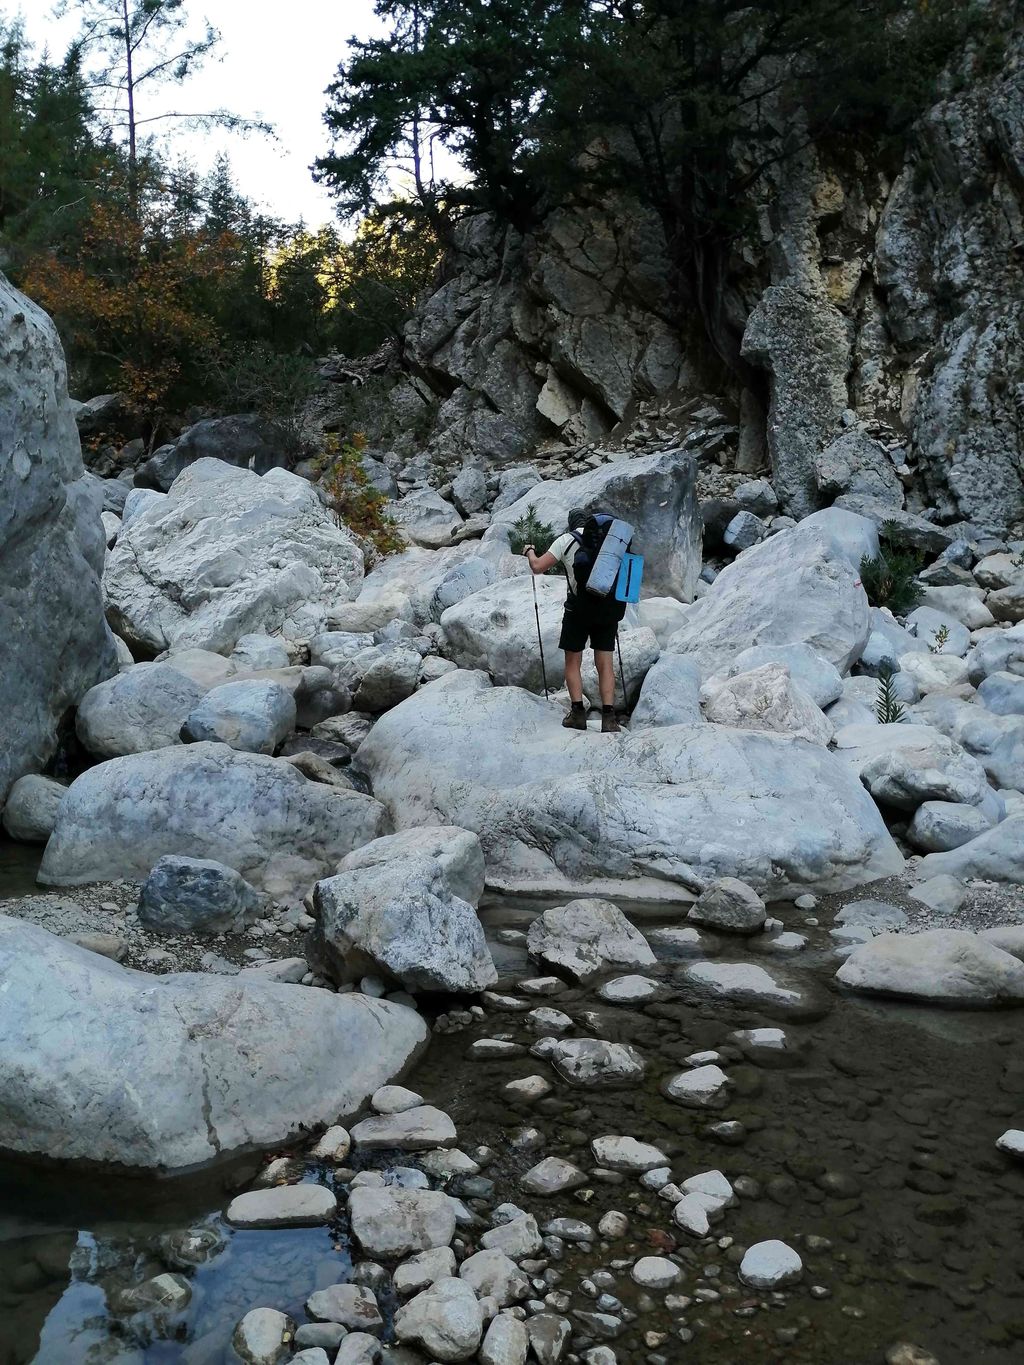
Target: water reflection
73,1251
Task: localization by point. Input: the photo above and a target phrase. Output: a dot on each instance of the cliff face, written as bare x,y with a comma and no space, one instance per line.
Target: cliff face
546,335
55,641
885,313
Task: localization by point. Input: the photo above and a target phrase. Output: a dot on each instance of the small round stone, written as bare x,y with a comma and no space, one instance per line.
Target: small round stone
769,1265
906,1353
655,1272
613,1225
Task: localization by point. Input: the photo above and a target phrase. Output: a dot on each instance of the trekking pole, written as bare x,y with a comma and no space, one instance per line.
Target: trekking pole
622,679
540,641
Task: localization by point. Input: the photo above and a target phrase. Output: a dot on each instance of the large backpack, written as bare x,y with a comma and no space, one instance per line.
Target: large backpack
589,541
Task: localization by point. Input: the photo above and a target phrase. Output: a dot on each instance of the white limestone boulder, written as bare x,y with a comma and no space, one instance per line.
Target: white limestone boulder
814,675
167,1073
656,494
944,966
256,814
229,553
903,765
766,698
563,811
391,1222
999,651
446,1320
254,715
1002,693
399,918
586,937
56,644
939,826
143,707
457,851
801,586
997,855
30,811
670,695
426,518
495,629
997,742
770,1265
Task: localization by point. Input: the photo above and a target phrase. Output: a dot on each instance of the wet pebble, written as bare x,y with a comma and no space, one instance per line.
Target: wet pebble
655,1272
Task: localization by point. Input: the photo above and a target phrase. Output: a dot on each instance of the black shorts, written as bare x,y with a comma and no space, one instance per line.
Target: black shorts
582,622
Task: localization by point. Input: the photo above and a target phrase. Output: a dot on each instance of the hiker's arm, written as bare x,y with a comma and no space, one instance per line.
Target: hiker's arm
539,563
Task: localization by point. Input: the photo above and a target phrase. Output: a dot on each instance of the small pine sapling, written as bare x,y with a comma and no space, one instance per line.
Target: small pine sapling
888,707
530,530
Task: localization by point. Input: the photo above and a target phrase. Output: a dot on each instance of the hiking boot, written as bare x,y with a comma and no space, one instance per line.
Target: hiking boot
610,723
576,719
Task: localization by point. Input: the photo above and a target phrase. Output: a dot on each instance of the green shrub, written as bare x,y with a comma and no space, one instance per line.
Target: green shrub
530,530
941,638
889,577
251,377
888,708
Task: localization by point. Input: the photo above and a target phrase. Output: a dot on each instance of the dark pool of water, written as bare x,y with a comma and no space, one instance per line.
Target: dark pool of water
19,864
880,1139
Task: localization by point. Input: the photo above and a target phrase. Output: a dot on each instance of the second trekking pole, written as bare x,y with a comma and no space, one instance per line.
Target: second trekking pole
540,640
622,679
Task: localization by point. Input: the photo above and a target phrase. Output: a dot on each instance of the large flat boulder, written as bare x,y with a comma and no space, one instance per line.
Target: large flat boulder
947,966
801,586
656,494
254,813
225,554
637,814
56,644
105,1064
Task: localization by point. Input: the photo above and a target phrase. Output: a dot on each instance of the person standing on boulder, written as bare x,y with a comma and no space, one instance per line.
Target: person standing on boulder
586,618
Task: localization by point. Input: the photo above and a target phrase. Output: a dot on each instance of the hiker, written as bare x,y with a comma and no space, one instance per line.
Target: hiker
586,617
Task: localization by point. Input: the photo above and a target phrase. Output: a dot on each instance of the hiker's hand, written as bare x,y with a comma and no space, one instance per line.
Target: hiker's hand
528,550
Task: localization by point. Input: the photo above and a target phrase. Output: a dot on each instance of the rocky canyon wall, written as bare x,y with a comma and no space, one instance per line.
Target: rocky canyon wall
54,643
884,309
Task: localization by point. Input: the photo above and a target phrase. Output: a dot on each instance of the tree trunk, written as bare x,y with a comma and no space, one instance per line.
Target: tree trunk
133,161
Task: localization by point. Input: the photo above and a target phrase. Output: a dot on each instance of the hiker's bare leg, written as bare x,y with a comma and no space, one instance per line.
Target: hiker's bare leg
573,675
605,661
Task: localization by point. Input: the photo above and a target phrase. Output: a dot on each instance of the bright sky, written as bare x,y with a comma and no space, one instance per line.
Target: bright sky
275,62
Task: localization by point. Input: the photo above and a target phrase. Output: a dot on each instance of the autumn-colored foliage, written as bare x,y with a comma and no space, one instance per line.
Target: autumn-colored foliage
353,498
126,293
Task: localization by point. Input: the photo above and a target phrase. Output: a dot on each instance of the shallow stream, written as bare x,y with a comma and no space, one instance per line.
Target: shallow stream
876,1141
